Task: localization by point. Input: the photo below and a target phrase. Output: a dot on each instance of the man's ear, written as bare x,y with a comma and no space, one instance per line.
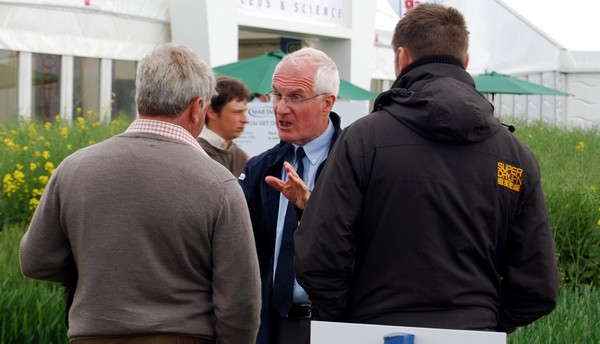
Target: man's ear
196,114
211,113
404,57
329,100
467,61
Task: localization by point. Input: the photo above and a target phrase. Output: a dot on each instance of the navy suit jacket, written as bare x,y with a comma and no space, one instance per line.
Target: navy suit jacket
263,204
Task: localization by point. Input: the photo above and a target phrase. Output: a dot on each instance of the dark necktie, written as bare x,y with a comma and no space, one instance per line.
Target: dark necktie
284,275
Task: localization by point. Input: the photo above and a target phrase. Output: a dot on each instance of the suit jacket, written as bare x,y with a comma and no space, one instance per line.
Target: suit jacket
263,204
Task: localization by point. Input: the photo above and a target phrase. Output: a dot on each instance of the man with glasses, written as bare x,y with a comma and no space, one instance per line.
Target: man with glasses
305,87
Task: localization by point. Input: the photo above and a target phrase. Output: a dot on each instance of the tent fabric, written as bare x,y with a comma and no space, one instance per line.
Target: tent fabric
385,23
509,42
506,41
501,83
123,30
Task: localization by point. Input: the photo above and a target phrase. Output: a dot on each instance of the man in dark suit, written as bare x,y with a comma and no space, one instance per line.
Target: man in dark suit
305,87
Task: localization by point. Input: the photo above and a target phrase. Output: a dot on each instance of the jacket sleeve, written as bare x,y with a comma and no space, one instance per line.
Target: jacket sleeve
530,281
45,252
236,283
324,241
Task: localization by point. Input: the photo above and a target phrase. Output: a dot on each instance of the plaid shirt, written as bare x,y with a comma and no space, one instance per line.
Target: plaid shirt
166,129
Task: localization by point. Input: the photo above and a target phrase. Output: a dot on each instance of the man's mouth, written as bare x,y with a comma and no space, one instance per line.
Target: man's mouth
285,124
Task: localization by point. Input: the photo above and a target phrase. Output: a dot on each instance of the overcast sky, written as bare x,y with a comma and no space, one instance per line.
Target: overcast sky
573,23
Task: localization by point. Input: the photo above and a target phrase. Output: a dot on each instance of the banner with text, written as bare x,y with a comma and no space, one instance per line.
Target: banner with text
323,12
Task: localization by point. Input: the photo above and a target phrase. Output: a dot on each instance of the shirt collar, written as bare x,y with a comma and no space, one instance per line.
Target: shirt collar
316,148
214,139
165,129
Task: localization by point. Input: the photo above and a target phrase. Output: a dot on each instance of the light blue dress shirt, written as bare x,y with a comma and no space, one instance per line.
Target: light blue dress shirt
316,151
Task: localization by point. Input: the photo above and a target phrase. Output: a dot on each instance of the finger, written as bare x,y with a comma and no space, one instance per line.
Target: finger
275,183
289,169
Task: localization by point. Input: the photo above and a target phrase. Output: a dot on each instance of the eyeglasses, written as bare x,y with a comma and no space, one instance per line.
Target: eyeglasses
289,100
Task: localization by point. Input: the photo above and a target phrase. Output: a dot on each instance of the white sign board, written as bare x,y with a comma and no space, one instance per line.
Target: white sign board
260,133
322,332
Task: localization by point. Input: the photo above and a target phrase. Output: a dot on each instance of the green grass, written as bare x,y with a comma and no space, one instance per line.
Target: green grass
571,180
33,312
576,319
30,311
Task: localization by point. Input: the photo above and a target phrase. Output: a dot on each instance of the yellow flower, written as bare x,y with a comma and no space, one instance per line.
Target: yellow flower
25,148
10,143
9,186
43,180
78,111
69,146
64,132
47,126
580,146
32,166
33,203
32,130
46,154
49,166
57,118
19,176
19,166
81,122
37,192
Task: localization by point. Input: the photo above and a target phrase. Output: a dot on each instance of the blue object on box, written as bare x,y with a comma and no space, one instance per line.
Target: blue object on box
399,338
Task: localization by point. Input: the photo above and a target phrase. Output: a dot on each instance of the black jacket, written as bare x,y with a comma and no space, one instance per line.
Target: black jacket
263,203
429,213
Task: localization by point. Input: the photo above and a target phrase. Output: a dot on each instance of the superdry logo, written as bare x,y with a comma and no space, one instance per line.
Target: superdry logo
510,176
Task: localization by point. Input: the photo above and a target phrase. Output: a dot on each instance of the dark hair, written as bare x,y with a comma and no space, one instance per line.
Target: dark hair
432,29
229,89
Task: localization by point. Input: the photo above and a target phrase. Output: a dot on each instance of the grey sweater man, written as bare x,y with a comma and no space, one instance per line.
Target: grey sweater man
161,238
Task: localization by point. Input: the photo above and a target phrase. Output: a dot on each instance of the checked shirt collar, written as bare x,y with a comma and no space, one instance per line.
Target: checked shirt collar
166,129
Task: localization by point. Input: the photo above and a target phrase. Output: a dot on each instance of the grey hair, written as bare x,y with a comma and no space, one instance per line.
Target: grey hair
169,78
327,76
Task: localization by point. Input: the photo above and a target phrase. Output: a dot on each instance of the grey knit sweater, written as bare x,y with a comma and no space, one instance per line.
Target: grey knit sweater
161,237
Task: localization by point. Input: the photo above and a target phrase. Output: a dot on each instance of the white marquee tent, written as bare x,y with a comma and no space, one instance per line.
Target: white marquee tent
548,42
114,29
506,37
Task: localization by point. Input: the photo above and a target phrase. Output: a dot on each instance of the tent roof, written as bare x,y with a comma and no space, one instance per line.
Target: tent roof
505,40
571,24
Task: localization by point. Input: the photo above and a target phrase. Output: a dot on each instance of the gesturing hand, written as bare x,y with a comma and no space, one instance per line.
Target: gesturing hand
293,189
